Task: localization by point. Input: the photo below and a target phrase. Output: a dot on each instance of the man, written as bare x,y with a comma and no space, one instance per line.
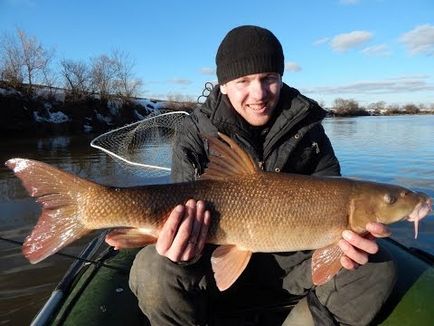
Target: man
281,129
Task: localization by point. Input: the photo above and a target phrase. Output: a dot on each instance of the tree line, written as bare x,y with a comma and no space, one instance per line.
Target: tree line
350,107
25,65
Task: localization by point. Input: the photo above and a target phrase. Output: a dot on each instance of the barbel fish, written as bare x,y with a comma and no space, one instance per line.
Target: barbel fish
252,210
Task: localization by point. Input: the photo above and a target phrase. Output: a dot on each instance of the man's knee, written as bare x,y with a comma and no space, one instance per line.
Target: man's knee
355,297
145,277
380,273
164,288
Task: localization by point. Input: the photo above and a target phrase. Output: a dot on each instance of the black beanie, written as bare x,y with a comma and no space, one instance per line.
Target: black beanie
247,50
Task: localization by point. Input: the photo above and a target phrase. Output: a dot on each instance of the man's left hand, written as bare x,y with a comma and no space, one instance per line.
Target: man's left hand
357,248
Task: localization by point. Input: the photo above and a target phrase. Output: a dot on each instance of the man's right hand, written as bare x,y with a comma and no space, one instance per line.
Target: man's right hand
183,235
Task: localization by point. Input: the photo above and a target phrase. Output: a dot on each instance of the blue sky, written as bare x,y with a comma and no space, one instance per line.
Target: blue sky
367,50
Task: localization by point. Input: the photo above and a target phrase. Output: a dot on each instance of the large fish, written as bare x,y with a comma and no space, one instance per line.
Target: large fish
252,211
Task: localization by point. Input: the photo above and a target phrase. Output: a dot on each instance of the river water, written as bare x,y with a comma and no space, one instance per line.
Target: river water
396,149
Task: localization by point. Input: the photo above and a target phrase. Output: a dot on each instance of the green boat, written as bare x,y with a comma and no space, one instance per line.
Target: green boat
95,291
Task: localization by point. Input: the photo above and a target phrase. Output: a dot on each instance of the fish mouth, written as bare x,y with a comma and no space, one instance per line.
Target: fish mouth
421,210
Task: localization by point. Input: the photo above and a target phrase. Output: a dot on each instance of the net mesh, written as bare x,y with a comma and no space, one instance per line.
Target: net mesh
143,147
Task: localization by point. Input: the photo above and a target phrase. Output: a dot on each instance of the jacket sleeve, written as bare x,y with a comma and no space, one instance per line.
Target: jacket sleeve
328,164
188,153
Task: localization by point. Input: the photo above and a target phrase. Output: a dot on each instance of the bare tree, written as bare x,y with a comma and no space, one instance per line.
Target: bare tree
347,107
393,109
178,97
76,76
35,58
177,101
102,75
377,108
24,59
11,61
112,76
49,78
125,84
411,109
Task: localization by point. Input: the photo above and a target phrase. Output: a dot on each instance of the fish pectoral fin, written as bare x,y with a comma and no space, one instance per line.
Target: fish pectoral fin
129,238
228,262
326,263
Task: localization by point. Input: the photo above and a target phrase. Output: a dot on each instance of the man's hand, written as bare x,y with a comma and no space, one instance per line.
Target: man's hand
183,235
357,248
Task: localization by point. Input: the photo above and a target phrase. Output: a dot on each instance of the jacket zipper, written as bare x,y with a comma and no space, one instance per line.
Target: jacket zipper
296,120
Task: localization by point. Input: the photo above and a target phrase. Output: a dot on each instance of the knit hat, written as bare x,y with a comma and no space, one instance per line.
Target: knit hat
247,50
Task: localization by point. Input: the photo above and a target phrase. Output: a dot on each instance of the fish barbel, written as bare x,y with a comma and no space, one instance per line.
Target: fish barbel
252,210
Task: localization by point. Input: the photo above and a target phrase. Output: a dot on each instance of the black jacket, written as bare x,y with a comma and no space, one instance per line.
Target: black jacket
293,141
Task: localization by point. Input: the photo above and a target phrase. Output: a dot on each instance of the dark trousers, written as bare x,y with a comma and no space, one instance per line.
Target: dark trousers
186,294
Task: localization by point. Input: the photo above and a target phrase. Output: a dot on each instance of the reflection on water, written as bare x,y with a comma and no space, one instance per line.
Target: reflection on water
390,149
397,150
386,149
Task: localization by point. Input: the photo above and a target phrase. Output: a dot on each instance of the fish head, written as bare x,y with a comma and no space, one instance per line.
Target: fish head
404,204
387,204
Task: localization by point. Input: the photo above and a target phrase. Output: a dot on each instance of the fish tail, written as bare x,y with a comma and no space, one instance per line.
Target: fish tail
58,193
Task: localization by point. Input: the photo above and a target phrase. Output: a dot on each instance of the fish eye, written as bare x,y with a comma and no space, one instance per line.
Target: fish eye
389,199
404,193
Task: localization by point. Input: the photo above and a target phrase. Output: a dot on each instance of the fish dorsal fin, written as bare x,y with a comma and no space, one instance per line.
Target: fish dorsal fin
326,262
228,262
227,159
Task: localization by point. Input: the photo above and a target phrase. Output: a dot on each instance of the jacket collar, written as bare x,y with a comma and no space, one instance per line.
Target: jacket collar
291,106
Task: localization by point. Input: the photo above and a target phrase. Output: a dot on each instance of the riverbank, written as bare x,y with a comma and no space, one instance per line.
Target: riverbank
53,113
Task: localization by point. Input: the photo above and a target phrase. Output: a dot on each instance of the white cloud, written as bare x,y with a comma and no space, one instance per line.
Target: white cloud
377,50
180,81
420,40
321,41
344,42
414,83
292,66
207,71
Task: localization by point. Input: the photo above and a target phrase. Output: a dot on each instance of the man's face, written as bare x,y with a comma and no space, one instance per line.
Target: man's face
255,96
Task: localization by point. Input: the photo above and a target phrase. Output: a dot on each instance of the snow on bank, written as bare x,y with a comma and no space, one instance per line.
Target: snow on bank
52,117
147,103
106,119
8,91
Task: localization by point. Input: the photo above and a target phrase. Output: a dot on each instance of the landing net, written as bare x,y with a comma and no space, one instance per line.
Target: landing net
143,147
